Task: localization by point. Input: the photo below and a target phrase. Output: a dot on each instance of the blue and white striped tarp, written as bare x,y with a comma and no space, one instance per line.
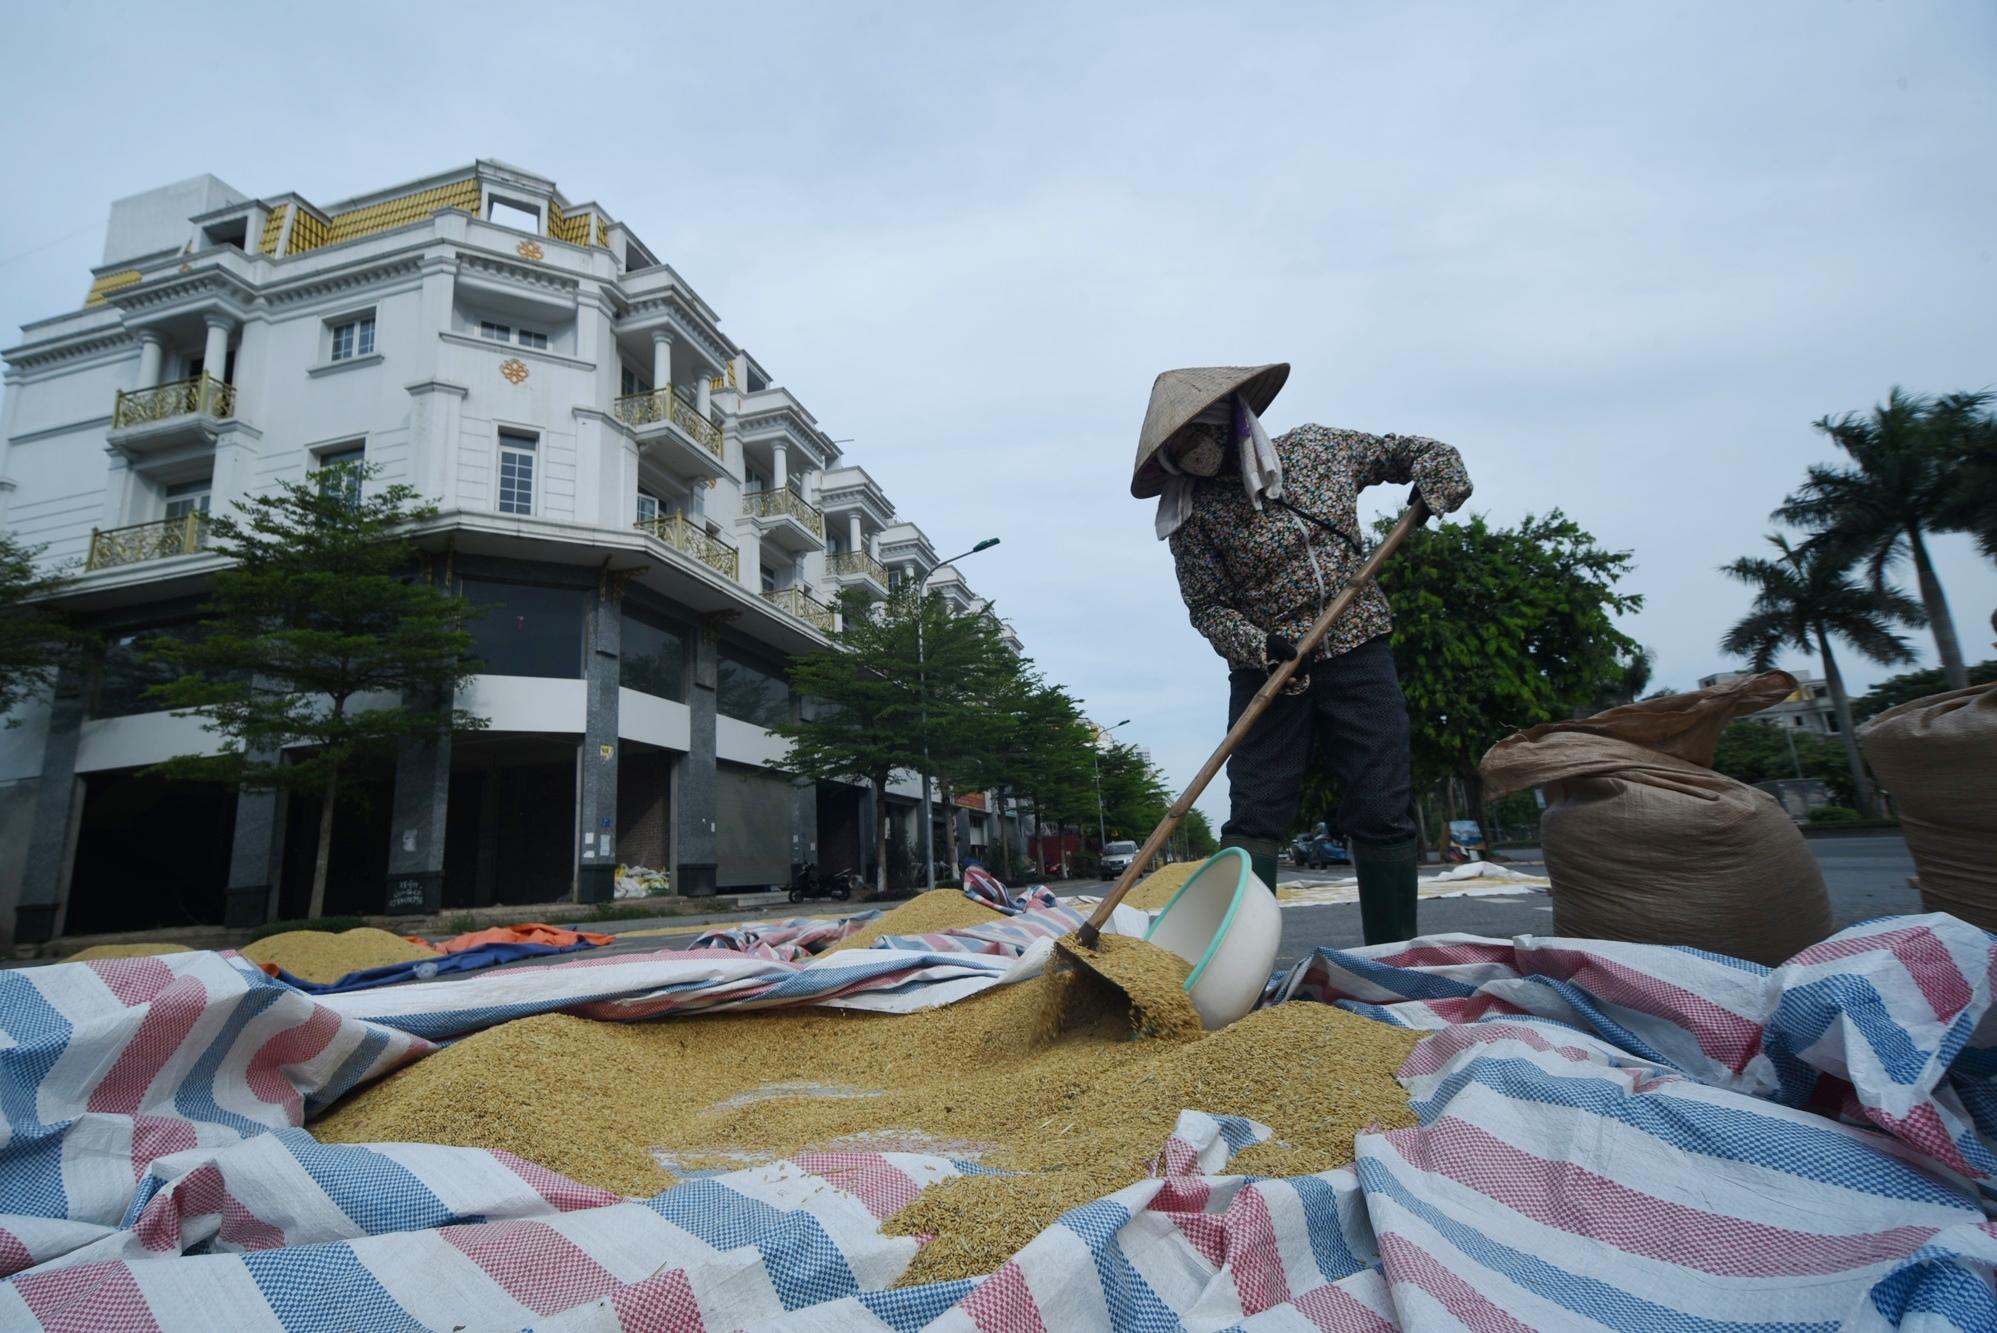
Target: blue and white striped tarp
1611,1135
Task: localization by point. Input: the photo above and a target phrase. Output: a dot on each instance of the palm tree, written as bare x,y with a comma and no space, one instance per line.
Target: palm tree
1968,436
1901,486
1800,601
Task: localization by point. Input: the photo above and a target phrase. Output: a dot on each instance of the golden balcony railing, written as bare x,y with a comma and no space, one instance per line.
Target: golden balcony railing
858,564
147,541
783,502
681,535
645,409
204,394
803,605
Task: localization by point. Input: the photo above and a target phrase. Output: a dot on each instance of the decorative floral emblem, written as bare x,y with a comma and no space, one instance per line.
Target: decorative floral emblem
187,268
528,250
514,369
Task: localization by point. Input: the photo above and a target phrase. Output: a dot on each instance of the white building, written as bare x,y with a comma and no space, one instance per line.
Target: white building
653,520
1808,707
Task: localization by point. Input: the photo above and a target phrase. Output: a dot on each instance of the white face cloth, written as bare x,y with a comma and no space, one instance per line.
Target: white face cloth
1261,473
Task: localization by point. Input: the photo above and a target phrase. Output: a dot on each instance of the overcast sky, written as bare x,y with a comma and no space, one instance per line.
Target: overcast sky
1620,255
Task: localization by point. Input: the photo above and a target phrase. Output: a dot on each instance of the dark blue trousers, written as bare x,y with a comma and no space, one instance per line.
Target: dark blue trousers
1358,698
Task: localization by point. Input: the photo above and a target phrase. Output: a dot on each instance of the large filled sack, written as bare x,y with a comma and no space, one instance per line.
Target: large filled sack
1938,758
1644,842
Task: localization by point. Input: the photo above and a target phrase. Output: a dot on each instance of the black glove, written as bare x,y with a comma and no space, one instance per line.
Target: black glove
1277,650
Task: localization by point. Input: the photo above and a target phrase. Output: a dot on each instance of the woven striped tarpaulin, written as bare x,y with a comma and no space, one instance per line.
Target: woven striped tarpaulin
1611,1136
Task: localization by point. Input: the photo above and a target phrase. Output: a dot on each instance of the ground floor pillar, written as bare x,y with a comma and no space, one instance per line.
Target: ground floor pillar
256,859
52,835
596,862
695,779
416,832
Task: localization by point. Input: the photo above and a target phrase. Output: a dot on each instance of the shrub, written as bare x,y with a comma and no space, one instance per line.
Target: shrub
1833,814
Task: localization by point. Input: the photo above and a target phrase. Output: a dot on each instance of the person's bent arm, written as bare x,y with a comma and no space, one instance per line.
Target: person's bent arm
1435,468
1210,601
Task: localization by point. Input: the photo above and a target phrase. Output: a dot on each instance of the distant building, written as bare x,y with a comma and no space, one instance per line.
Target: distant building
1808,707
653,523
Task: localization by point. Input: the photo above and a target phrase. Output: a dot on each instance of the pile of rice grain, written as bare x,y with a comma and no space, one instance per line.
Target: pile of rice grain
924,914
1156,889
1080,1115
124,951
322,956
1121,974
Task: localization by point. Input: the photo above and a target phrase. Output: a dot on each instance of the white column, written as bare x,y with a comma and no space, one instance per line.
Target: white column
150,354
777,473
703,396
662,359
855,541
215,356
740,365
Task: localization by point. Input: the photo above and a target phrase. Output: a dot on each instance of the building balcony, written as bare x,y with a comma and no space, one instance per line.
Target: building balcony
786,518
169,414
161,540
799,603
690,442
851,567
684,537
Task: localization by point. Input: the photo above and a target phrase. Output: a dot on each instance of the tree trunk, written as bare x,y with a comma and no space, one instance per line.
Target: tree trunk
317,908
1935,603
1004,843
880,837
1861,782
948,793
1473,797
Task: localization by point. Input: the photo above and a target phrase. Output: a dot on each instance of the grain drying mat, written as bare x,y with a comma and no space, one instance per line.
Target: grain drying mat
154,1174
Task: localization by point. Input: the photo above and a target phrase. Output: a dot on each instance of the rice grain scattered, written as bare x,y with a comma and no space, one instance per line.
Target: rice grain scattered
1156,889
1078,1117
1122,974
924,914
322,956
124,951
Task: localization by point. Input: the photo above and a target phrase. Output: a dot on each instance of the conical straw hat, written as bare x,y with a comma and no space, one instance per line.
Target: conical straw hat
1177,396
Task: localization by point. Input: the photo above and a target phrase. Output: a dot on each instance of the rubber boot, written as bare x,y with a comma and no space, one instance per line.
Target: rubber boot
1261,855
1387,881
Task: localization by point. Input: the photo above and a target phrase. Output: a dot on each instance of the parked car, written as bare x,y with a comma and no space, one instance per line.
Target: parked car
1318,849
1117,857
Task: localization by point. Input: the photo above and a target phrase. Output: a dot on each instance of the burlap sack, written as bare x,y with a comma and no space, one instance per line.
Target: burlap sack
1644,842
1938,758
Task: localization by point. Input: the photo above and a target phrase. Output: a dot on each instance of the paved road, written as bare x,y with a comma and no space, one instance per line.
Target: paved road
1866,877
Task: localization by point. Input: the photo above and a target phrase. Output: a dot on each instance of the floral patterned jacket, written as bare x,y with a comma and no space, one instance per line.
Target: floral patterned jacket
1246,575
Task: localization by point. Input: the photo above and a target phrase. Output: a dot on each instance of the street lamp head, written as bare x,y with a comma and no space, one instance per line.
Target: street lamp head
984,545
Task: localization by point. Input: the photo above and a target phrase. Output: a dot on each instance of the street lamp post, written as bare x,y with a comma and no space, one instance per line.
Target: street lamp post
922,686
1095,762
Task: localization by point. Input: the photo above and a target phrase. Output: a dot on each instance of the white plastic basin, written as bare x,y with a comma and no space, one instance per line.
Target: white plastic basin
1225,922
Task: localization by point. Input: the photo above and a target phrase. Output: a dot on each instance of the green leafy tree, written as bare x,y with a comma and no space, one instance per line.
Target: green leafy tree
1900,486
1501,628
1802,599
882,704
1912,685
36,639
322,613
1756,751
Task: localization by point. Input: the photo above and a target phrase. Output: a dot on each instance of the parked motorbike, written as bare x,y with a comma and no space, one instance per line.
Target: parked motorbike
810,884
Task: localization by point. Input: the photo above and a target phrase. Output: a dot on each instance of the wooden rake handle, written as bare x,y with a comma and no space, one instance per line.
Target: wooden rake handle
1416,514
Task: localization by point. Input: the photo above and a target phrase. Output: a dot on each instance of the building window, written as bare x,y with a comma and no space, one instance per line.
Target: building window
628,382
499,333
529,338
769,579
652,659
516,473
188,497
340,473
507,213
750,691
527,629
353,338
648,508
